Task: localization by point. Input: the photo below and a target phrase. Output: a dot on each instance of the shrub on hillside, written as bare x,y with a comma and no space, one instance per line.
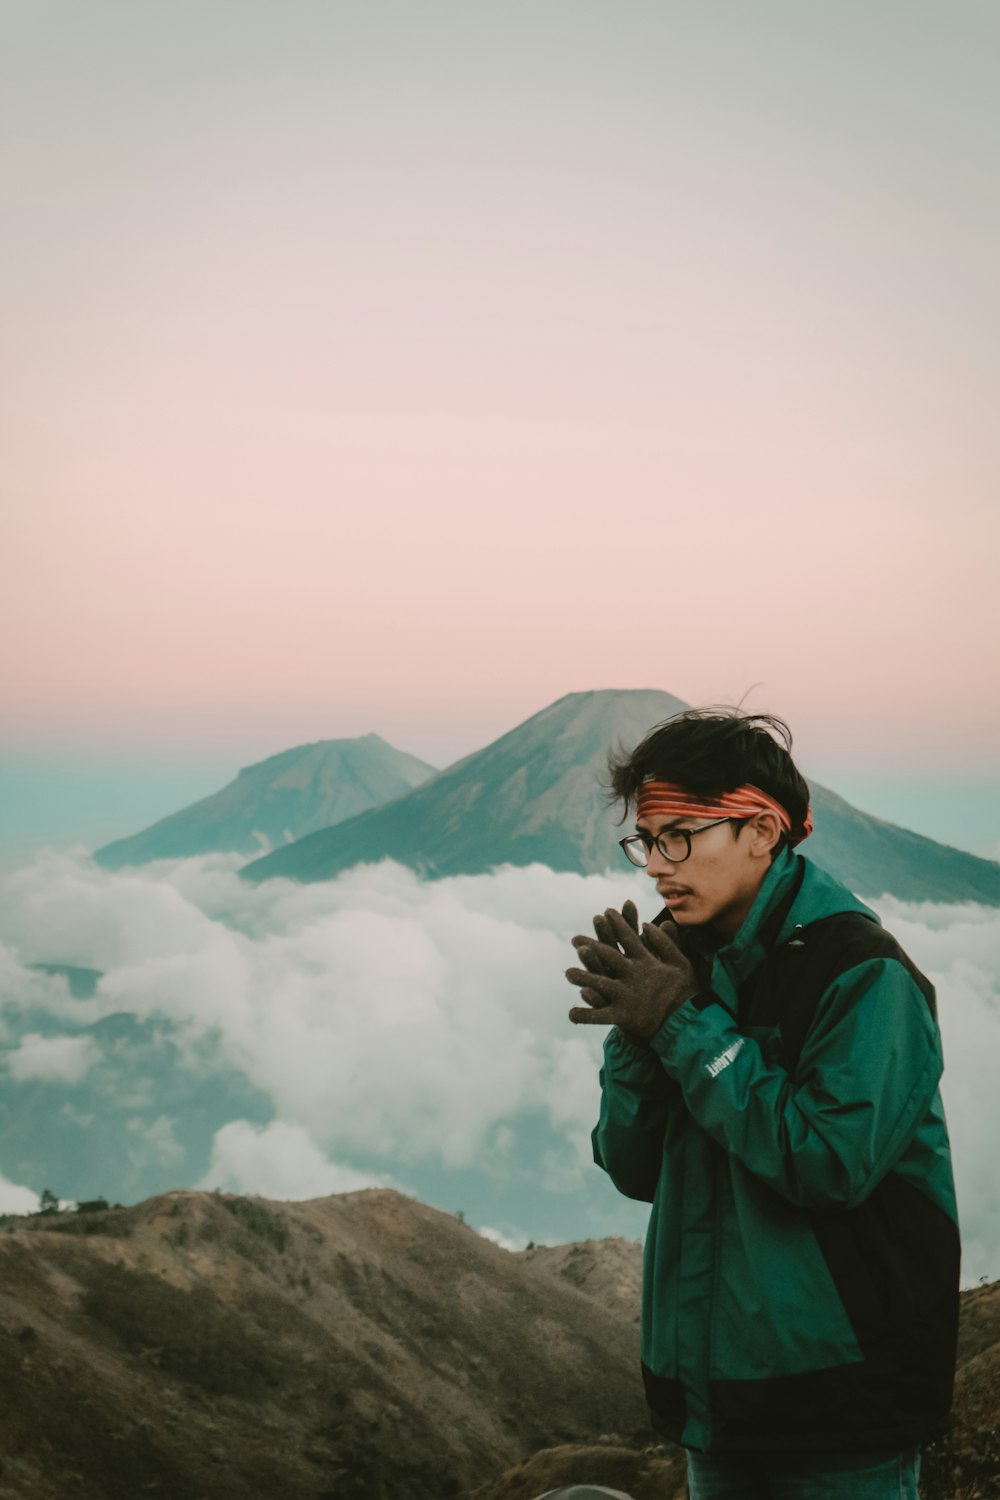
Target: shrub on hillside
259,1220
187,1334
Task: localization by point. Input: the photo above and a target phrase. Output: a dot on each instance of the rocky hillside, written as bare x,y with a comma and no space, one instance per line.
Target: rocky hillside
965,1466
360,1347
277,801
608,1271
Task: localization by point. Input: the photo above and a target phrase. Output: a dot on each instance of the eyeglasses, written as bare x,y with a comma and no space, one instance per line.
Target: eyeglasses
673,843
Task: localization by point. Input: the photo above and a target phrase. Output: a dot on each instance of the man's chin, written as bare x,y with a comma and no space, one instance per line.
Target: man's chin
685,918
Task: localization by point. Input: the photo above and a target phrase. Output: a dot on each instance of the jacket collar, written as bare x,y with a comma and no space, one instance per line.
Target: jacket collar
793,893
766,919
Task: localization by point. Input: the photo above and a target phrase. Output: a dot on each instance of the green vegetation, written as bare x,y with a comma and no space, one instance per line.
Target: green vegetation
187,1334
259,1220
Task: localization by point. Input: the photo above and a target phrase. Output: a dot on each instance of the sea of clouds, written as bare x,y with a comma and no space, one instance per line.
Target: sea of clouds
400,1020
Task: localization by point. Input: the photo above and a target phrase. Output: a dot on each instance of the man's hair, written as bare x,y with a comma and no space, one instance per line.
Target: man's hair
713,750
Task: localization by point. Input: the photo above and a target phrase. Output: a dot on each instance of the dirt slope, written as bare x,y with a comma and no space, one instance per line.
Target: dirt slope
360,1347
965,1466
357,1347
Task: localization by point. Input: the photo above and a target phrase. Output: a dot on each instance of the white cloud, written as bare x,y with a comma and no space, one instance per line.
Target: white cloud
29,990
68,1112
53,1059
958,948
277,1161
571,1097
401,1021
153,1142
383,1014
15,1199
505,1241
64,914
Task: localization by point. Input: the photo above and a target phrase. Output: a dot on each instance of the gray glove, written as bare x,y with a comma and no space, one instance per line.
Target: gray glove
633,980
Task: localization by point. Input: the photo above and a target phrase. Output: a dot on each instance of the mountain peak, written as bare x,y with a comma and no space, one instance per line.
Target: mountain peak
537,794
534,794
279,800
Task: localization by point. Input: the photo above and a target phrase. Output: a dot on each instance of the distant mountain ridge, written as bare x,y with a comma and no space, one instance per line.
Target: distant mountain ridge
536,794
277,801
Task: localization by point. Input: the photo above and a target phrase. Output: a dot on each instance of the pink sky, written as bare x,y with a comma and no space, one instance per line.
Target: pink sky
389,368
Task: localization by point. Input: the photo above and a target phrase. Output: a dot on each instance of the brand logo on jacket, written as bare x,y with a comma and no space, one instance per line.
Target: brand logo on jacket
715,1067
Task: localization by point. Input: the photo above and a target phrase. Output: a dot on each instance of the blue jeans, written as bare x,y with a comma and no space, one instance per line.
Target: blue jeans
886,1475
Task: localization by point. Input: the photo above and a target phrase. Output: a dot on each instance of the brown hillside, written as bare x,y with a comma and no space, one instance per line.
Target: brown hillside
965,1466
608,1271
361,1347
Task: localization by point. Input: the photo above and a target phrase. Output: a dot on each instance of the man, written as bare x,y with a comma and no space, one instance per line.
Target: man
770,1085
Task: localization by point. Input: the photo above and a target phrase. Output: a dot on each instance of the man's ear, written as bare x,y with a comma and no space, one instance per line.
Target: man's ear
764,829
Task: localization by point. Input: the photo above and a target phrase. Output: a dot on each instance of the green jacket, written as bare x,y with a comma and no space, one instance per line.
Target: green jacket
800,1287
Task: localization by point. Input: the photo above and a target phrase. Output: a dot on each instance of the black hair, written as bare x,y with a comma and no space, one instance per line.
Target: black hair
709,751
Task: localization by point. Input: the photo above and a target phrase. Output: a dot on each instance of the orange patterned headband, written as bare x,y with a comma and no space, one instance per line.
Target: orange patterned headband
667,798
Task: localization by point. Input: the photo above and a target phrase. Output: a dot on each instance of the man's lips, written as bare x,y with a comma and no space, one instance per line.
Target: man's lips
673,892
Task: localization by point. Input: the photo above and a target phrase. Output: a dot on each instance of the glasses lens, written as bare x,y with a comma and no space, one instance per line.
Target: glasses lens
636,850
674,845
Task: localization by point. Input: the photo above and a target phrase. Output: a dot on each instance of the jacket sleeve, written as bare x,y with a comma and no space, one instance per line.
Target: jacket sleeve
868,1070
628,1138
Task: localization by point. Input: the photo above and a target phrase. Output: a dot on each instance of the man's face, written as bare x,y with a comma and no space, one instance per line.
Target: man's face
719,880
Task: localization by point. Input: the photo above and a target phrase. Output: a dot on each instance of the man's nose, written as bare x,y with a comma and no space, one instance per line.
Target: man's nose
656,863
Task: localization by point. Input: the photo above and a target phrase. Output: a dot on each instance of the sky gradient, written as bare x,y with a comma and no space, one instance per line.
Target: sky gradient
401,367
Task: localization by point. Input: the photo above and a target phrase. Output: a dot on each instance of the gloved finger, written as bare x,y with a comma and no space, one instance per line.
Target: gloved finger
614,961
631,914
626,936
606,1016
594,1000
604,932
588,954
601,958
585,953
661,943
597,983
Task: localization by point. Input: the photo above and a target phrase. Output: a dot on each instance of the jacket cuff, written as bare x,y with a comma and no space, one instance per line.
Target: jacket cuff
624,1042
662,1041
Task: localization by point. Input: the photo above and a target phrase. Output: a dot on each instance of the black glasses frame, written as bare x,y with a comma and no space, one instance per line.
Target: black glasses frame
647,840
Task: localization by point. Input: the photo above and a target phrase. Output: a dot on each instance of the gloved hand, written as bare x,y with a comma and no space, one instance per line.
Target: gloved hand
631,980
